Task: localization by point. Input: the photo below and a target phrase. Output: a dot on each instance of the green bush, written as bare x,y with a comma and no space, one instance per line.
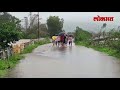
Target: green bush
82,35
29,49
5,64
3,73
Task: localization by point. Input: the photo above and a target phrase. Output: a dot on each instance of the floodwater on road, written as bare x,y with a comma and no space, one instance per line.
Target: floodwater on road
49,61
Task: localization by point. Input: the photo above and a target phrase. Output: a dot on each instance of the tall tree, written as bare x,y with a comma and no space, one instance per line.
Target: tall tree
55,25
9,29
81,35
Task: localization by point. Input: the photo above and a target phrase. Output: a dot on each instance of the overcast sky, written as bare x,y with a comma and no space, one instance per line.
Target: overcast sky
81,19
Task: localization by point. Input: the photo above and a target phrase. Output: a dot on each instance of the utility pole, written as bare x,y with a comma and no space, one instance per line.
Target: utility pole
38,26
30,19
26,22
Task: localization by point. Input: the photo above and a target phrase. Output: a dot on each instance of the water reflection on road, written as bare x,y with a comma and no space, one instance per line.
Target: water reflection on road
77,61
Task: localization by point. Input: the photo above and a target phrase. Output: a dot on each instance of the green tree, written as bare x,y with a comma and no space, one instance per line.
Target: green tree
9,29
81,35
55,25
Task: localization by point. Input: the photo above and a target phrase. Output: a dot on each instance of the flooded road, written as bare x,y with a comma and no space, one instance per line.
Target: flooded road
71,62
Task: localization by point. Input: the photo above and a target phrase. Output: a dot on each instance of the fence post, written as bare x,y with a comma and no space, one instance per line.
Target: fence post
4,55
1,54
8,53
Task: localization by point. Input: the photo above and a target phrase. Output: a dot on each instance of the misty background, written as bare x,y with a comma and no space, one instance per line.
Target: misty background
82,19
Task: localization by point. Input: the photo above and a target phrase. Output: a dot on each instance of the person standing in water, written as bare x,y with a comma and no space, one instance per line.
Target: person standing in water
62,40
53,39
70,40
58,40
66,39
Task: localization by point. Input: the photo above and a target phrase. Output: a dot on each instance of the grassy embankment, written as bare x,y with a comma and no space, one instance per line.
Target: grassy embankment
105,49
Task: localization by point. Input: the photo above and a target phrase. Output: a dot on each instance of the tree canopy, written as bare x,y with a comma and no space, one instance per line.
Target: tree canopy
81,34
9,29
55,25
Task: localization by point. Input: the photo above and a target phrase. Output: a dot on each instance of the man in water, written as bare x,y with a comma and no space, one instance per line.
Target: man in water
58,41
66,40
53,39
62,39
70,40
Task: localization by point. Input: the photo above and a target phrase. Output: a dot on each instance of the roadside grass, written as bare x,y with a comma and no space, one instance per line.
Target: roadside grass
107,50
